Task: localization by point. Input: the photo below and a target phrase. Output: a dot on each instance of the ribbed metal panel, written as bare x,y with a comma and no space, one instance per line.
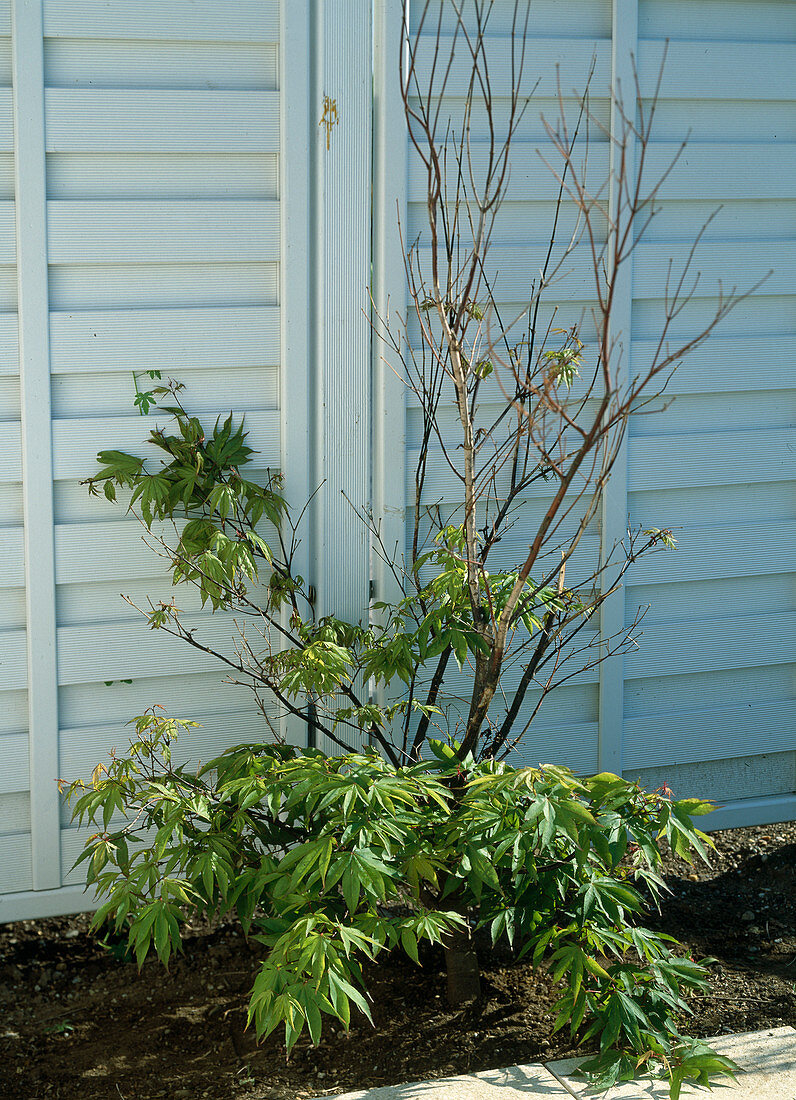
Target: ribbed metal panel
16,769
15,859
163,339
740,20
162,176
157,232
14,662
13,672
79,287
342,414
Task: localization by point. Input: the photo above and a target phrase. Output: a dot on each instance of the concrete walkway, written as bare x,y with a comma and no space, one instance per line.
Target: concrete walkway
768,1059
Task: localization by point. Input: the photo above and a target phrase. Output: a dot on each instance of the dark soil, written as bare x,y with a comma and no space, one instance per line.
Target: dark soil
77,1024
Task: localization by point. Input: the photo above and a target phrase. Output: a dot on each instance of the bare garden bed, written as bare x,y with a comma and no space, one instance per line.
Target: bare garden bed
76,1023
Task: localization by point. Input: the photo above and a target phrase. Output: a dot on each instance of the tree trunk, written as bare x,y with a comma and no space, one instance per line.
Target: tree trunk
461,962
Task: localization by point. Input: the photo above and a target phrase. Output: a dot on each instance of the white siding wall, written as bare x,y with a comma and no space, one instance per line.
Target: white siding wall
710,697
708,701
178,210
181,212
162,130
569,36
163,218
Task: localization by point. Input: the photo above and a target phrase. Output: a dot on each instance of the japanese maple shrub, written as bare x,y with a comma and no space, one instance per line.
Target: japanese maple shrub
420,827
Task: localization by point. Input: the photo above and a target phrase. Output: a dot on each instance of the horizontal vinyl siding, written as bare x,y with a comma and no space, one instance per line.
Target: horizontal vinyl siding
711,681
15,860
164,220
164,246
710,698
244,21
572,35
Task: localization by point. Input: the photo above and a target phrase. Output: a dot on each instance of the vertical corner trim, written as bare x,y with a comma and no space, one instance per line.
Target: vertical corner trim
295,301
390,186
36,433
341,386
613,519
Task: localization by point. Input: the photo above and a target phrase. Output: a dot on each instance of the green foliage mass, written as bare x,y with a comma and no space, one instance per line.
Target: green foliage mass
420,832
222,551
331,861
199,478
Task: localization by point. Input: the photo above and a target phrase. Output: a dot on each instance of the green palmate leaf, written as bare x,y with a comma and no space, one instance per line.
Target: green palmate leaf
481,871
409,944
343,991
329,861
307,849
309,1001
695,807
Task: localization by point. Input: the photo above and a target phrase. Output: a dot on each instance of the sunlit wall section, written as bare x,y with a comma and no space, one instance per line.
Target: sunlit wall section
164,246
565,44
710,695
